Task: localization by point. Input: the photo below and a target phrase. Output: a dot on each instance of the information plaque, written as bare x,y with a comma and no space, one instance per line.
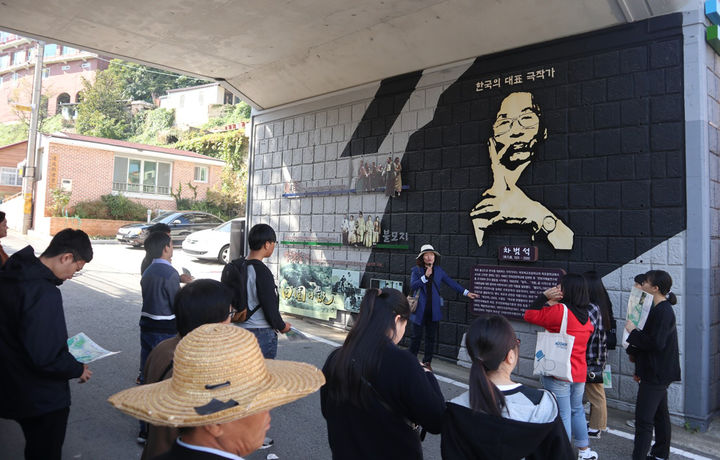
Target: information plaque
508,291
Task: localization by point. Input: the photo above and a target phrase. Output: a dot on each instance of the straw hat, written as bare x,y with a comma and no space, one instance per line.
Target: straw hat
219,375
427,248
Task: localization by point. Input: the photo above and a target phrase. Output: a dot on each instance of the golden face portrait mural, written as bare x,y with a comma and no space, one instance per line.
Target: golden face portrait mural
516,133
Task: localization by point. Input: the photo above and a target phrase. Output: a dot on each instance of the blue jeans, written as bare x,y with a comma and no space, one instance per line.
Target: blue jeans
569,396
267,340
148,341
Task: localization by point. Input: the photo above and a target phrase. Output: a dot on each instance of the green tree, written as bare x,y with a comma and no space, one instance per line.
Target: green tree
102,112
143,83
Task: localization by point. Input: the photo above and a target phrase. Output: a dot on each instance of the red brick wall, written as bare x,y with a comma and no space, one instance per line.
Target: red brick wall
91,171
93,227
9,158
184,172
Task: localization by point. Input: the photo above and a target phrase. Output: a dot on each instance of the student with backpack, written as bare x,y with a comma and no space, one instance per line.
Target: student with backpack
259,300
255,295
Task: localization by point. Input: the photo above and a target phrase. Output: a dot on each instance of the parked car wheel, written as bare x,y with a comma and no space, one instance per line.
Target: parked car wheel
224,255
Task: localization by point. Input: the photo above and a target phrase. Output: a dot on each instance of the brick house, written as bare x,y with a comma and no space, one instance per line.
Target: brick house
64,68
90,167
10,156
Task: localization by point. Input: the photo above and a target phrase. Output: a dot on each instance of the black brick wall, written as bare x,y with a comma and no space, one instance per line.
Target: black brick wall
612,167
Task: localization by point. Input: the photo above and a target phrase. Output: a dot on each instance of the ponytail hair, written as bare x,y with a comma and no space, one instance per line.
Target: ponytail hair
488,341
663,281
358,360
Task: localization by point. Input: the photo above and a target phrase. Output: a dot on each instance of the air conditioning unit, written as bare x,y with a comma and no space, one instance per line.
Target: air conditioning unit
65,67
85,65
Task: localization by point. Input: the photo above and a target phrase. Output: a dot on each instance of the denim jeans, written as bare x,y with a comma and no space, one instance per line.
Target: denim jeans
569,396
267,340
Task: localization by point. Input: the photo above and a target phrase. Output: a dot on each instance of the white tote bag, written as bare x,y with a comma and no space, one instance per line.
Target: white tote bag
553,350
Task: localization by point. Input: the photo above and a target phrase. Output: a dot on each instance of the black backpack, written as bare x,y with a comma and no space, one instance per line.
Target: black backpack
234,276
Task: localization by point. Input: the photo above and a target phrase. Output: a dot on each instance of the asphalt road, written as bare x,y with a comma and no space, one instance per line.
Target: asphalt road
104,302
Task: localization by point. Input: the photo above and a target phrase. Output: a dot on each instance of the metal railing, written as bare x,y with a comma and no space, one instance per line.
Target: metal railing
137,188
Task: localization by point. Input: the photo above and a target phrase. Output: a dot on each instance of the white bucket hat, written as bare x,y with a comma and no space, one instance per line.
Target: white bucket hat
427,248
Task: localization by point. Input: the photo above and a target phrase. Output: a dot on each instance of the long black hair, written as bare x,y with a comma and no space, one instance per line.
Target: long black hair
599,296
575,295
489,339
663,281
357,362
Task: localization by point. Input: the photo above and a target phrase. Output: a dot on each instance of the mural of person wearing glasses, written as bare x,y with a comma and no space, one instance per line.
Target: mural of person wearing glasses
516,133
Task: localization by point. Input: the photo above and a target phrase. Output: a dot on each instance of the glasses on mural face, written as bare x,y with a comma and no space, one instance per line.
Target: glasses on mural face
527,120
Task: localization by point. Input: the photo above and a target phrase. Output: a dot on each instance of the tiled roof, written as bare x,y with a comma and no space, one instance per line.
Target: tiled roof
130,145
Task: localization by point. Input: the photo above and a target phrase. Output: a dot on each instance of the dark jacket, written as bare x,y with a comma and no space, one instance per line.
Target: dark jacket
413,394
159,367
178,452
35,363
467,434
417,284
655,347
160,283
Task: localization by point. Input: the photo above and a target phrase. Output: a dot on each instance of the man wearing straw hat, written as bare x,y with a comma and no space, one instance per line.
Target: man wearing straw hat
220,394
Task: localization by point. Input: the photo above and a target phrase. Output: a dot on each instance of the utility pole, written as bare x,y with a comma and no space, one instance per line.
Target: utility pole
29,169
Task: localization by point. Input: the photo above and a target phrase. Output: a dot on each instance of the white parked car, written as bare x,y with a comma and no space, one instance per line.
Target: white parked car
213,244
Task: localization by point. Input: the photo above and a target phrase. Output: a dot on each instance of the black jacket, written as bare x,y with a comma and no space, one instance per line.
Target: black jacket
467,434
374,433
35,363
178,452
655,347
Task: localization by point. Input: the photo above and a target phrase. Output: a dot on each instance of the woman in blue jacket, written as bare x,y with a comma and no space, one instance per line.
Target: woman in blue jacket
425,280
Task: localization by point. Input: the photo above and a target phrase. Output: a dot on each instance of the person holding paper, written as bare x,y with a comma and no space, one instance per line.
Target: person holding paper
657,365
548,311
35,363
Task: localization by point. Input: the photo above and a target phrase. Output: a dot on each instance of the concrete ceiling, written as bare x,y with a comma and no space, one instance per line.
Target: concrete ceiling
274,52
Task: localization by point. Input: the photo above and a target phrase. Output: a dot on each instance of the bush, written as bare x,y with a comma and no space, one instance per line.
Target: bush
115,207
95,209
122,208
60,200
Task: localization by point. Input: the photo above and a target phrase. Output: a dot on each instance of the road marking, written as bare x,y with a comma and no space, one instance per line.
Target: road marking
674,450
320,339
464,386
440,378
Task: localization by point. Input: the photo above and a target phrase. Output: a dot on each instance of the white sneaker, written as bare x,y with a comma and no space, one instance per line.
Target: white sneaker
587,454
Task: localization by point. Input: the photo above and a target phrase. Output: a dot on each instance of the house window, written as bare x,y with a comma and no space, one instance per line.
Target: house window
9,176
15,76
45,72
51,50
19,57
201,174
141,176
4,61
69,50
